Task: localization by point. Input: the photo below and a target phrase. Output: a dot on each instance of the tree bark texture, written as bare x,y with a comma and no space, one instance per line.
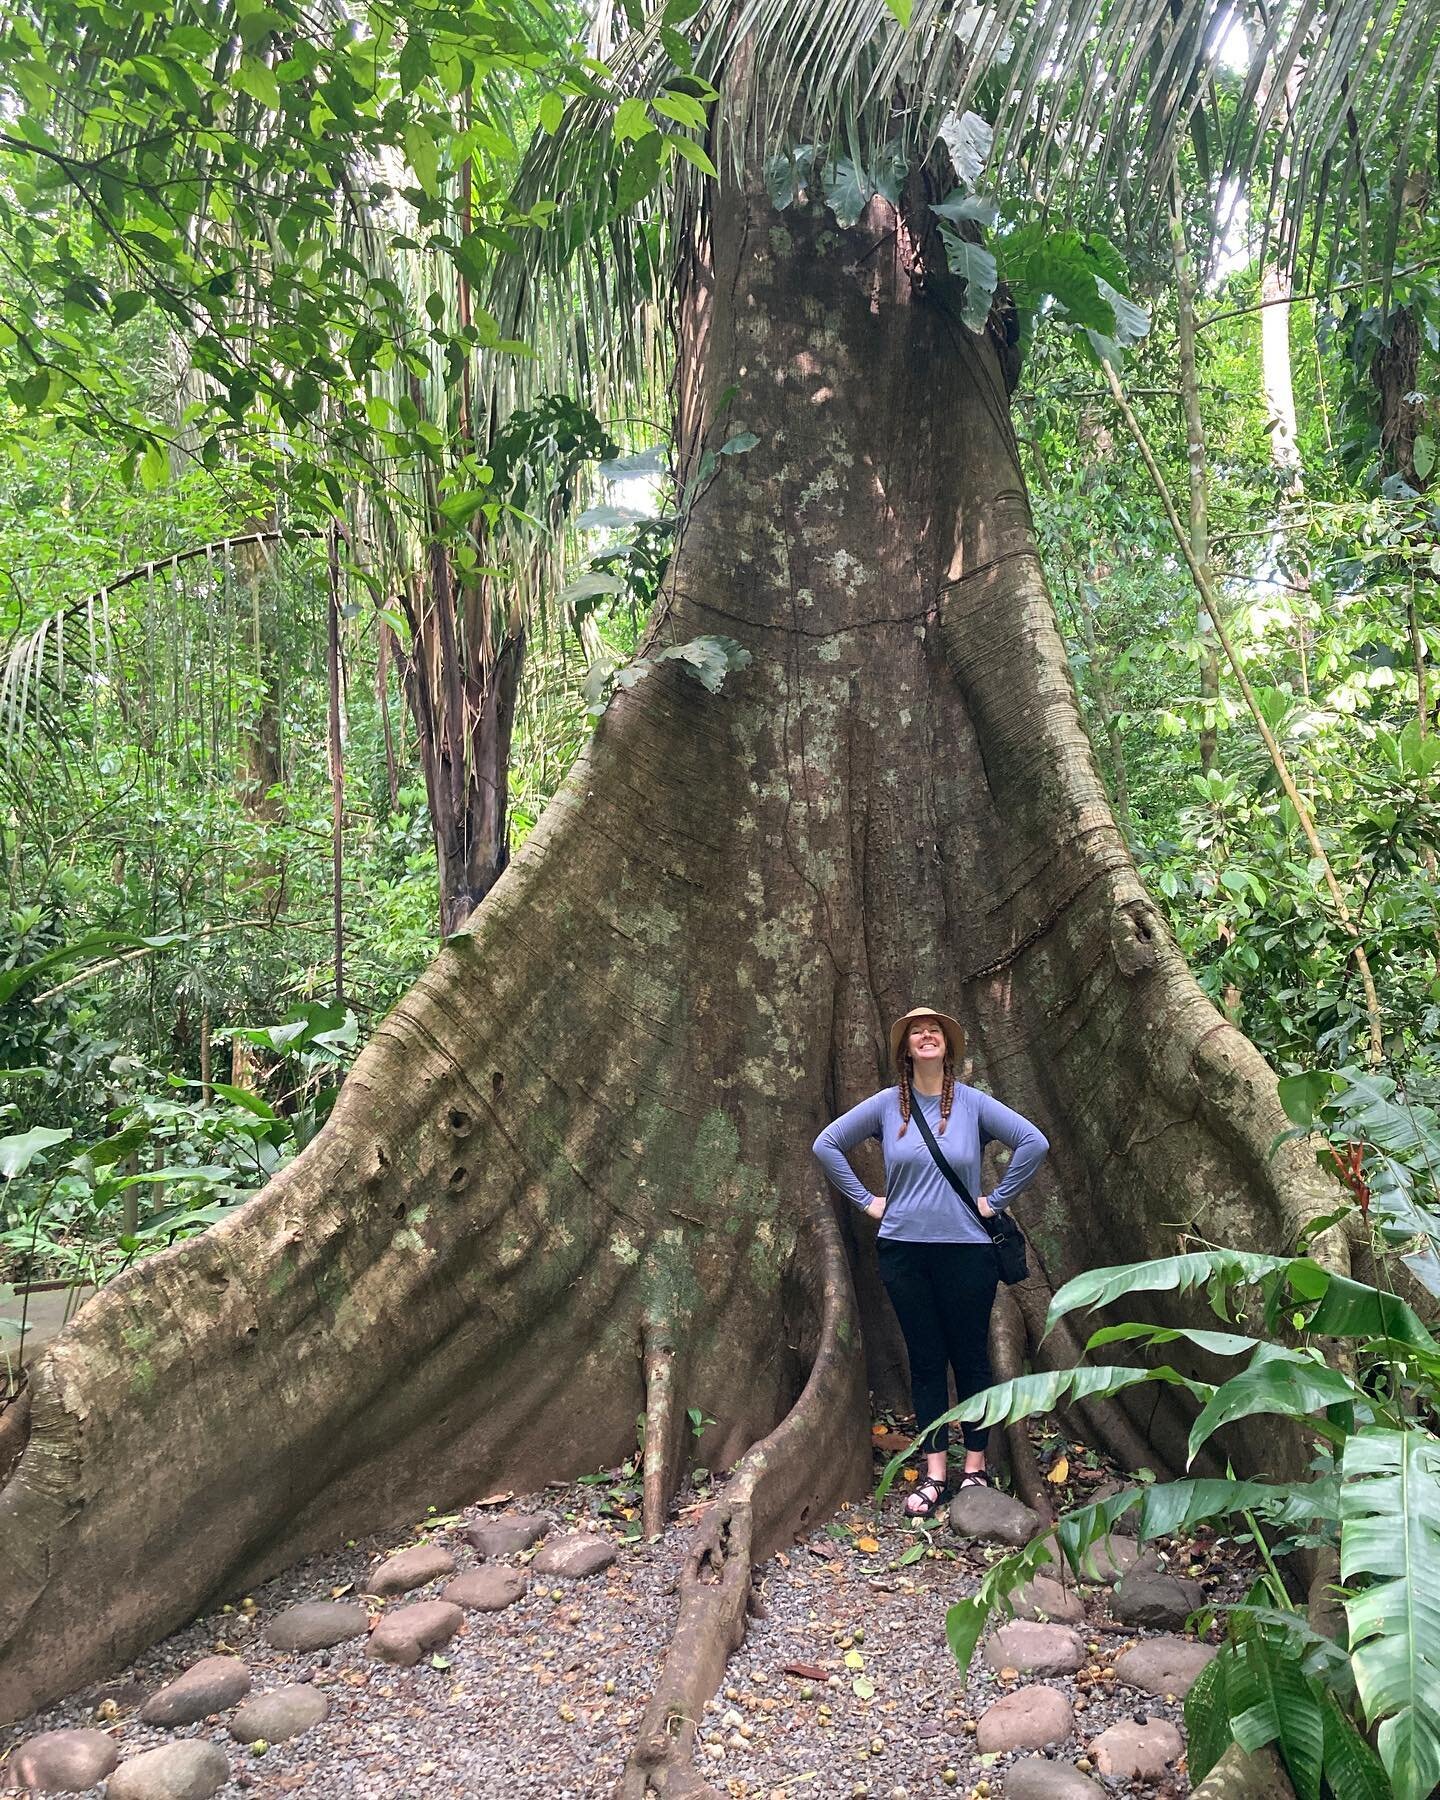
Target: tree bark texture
579,1150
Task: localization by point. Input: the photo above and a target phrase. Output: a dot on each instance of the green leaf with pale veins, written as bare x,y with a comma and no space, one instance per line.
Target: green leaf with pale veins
1390,1557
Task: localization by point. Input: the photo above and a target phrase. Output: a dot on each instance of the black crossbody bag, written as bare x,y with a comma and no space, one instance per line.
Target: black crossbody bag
1004,1233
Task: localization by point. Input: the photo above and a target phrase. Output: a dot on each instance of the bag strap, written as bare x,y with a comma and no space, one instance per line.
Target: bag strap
940,1163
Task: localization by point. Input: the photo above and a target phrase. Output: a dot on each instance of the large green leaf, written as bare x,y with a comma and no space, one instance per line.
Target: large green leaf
1166,1274
1355,1309
1171,1506
1278,1381
1272,1702
1207,1716
1390,1554
1352,1768
18,1152
1021,1398
976,267
1218,1343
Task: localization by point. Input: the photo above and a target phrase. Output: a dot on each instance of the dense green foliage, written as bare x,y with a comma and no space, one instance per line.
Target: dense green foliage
1371,1497
319,328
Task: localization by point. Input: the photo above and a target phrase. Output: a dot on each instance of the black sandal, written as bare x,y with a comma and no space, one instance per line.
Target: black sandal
973,1478
931,1501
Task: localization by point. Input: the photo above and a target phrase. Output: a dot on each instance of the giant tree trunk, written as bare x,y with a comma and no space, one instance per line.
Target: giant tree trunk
579,1149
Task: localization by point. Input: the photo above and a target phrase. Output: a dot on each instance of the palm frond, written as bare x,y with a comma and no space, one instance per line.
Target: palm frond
1089,106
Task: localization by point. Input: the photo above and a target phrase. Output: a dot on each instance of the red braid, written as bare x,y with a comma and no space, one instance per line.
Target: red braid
947,1092
906,1064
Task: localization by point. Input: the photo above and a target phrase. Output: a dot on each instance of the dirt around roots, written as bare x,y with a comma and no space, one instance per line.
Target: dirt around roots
544,1696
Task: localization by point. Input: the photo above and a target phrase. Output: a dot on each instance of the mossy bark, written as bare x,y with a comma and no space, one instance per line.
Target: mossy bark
586,1131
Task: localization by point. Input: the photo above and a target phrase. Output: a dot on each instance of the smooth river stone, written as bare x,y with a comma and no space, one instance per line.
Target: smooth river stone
404,1635
576,1554
1035,1649
409,1569
317,1625
64,1762
1028,1719
282,1713
188,1770
211,1685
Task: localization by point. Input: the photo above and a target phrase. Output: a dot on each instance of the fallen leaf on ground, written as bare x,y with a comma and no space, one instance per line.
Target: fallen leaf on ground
1060,1470
806,1671
868,1544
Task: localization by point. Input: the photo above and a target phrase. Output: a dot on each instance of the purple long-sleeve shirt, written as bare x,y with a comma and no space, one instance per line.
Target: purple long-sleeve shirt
921,1207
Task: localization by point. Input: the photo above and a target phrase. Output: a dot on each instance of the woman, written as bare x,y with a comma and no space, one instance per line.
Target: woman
936,1258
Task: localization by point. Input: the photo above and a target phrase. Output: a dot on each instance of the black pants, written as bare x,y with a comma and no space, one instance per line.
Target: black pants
943,1295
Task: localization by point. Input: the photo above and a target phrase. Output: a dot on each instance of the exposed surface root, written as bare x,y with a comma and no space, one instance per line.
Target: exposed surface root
1007,1360
800,1473
14,1432
662,1434
1246,1775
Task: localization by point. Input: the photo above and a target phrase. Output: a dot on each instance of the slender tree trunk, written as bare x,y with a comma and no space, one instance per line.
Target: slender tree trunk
1198,484
261,773
1279,394
337,761
384,657
584,1137
206,1066
464,727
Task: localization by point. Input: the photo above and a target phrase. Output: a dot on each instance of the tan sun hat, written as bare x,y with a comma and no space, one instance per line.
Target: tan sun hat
953,1029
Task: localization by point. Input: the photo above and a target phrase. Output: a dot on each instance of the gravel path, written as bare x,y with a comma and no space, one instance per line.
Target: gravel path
828,1603
543,1697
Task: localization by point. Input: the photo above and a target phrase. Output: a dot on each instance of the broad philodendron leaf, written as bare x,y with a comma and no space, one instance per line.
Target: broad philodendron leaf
642,462
1390,1556
590,586
601,518
976,266
1278,1381
18,1152
708,659
1354,1309
1171,1506
788,173
849,189
976,209
1132,321
969,139
1303,1095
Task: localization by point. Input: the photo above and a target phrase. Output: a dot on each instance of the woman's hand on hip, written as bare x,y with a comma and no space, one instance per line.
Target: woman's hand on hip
984,1208
876,1208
